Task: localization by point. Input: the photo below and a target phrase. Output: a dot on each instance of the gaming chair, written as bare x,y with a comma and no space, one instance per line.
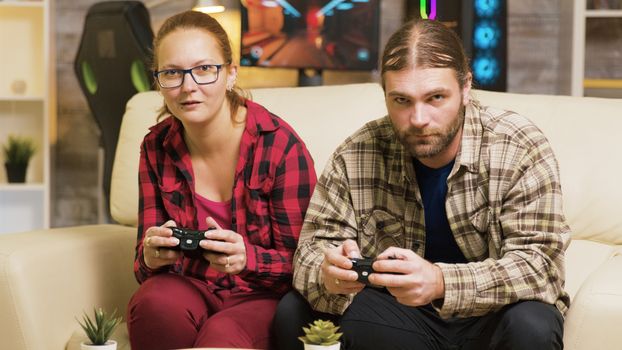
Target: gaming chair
112,64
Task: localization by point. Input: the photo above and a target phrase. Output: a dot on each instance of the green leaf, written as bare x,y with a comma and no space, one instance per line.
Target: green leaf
139,78
89,78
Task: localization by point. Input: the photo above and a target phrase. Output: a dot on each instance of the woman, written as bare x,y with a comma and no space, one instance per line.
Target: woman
219,162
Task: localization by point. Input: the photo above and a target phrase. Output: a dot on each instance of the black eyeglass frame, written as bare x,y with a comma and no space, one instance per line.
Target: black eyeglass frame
156,75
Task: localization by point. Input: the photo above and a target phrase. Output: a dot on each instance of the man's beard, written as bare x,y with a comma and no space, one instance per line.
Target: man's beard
429,142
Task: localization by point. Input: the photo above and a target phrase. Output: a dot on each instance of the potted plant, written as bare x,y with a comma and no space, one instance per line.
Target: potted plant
17,153
321,335
99,330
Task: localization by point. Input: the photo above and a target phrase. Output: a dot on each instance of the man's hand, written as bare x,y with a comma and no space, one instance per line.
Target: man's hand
336,269
412,280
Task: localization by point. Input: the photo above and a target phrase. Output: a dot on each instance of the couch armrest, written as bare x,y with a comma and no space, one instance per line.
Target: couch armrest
593,321
49,277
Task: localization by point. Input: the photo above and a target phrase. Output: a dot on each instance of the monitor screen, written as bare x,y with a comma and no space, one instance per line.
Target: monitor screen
337,34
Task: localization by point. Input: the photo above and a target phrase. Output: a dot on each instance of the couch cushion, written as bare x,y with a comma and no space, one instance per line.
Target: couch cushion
140,113
582,258
593,321
49,277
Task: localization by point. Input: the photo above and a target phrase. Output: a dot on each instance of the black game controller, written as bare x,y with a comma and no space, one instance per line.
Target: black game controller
189,240
363,268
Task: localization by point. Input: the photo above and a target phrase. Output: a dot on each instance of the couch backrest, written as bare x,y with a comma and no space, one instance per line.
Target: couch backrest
583,132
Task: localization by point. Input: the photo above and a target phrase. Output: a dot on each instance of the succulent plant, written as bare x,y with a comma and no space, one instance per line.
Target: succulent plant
321,332
100,329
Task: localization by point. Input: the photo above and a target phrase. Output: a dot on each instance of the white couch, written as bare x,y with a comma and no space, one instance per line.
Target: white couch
48,277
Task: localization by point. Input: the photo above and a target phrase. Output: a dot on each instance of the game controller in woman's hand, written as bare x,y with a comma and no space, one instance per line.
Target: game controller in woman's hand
189,240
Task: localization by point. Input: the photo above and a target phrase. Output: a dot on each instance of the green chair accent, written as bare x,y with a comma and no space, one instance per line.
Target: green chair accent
139,78
89,78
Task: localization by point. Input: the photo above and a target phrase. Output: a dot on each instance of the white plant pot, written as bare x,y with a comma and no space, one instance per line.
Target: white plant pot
110,345
323,347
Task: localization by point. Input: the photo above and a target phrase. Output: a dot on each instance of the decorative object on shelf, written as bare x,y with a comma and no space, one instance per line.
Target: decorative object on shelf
99,330
17,153
321,335
18,87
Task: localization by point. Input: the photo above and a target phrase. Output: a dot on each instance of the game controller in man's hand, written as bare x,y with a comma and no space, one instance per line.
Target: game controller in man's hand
363,268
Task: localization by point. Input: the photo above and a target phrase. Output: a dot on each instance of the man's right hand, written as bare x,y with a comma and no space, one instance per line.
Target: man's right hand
155,242
336,268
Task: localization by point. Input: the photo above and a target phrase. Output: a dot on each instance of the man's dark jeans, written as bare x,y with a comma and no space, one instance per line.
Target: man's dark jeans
375,320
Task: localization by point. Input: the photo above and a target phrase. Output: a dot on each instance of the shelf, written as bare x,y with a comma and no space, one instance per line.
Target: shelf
33,4
27,108
23,210
590,44
21,187
602,83
603,13
21,98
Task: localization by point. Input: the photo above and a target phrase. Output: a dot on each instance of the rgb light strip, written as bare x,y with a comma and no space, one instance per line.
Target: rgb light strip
423,10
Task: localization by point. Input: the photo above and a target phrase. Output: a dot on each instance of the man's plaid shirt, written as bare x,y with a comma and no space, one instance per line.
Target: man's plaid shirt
504,206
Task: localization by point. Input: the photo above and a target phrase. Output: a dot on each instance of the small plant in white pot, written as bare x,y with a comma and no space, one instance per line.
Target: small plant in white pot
99,330
321,335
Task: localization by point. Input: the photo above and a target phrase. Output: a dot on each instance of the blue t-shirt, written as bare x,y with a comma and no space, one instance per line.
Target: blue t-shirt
440,244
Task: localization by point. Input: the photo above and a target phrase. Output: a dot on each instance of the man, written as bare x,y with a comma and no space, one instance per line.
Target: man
459,204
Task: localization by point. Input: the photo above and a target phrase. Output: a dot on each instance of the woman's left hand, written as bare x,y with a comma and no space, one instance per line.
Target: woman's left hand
224,249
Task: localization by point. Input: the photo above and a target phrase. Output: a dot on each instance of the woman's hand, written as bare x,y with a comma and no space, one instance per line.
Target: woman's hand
155,243
225,249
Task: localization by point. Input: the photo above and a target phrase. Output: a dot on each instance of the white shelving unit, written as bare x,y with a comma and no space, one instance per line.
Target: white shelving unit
575,51
27,36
